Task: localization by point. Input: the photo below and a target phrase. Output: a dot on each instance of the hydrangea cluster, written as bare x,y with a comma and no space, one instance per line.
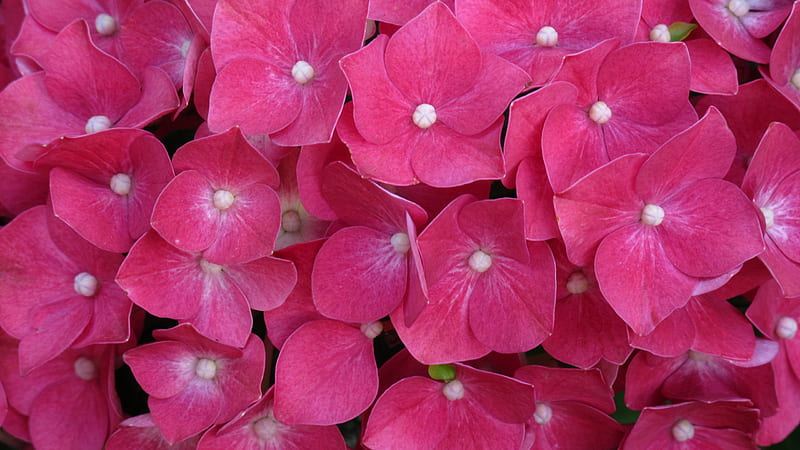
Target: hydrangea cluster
490,224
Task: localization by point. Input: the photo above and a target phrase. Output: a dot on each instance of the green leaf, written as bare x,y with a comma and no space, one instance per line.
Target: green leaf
679,31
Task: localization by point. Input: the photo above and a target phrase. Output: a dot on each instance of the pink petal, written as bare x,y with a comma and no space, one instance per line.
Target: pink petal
444,158
785,271
672,337
774,160
504,398
786,231
358,276
536,194
626,133
343,380
722,329
56,326
646,82
511,308
253,277
240,29
572,146
413,408
702,221
257,95
388,163
163,369
195,229
704,150
638,279
525,122
375,96
187,413
432,59
158,98
73,71
495,86
713,71
597,206
50,427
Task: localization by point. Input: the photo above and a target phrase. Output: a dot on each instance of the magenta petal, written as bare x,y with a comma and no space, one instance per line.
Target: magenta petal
195,229
375,97
56,325
187,413
154,267
525,122
572,146
254,94
511,309
786,206
506,399
700,224
704,150
646,82
785,271
224,314
50,427
241,29
729,31
163,369
598,205
358,276
86,81
340,380
496,225
537,198
495,86
265,282
722,329
94,211
776,158
432,55
672,337
414,408
444,158
158,97
713,71
637,278
388,163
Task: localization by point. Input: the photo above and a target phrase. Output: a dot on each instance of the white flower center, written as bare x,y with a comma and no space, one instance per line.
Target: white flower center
85,368
738,7
400,243
652,214
266,427
795,80
547,37
543,413
97,123
600,113
85,284
769,216
209,267
105,24
206,368
424,116
185,48
577,283
223,199
453,390
786,328
290,221
480,261
121,184
303,73
372,330
683,430
660,33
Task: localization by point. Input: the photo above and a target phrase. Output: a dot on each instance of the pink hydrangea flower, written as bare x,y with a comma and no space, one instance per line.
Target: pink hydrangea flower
222,202
427,104
488,288
277,66
639,214
57,290
104,185
193,382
